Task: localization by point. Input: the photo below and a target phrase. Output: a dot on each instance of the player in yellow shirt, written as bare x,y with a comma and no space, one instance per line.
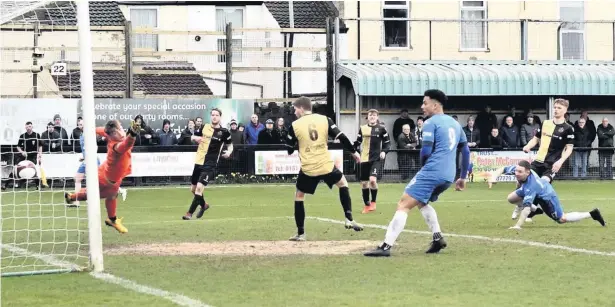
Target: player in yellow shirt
310,133
211,145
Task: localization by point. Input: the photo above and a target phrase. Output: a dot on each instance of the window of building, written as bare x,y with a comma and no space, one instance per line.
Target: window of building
148,18
572,30
396,33
473,33
225,15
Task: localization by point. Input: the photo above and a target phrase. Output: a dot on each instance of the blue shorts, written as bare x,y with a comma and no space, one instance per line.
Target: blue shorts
425,188
551,207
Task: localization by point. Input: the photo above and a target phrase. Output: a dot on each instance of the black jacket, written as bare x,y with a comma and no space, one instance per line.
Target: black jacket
605,135
268,137
236,136
581,138
510,136
51,142
495,142
473,135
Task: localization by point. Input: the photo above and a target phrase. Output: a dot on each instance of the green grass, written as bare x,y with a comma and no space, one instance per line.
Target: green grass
468,273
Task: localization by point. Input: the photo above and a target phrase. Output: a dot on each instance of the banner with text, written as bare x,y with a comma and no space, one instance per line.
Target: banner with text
144,164
279,162
177,111
15,112
485,162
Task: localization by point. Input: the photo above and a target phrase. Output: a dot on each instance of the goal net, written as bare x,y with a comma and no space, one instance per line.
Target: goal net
39,47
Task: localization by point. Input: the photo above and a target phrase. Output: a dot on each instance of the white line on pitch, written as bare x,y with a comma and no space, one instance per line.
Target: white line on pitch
206,220
178,299
484,238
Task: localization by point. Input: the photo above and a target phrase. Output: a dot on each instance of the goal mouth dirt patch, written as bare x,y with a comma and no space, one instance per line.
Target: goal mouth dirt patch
245,248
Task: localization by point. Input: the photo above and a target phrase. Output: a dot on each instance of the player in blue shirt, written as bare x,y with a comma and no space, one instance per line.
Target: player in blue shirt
537,190
81,174
442,137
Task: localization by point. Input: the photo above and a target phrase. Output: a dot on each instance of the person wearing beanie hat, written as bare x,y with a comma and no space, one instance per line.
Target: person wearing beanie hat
268,135
236,135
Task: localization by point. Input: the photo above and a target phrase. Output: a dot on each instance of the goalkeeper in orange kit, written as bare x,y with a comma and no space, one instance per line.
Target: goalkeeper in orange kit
113,170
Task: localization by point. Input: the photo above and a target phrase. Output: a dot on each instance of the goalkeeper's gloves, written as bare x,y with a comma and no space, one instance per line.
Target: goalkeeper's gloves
135,128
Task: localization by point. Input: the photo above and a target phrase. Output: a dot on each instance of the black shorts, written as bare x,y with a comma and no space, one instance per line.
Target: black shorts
307,184
202,174
543,169
369,169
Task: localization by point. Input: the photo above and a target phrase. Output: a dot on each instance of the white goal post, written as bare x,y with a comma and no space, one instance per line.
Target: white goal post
39,234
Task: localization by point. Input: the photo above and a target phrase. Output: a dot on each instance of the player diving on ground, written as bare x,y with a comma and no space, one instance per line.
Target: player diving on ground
442,138
537,190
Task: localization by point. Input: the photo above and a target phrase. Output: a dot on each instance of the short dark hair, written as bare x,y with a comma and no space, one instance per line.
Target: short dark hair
217,110
525,164
437,95
50,124
197,118
166,121
79,118
111,126
304,103
28,123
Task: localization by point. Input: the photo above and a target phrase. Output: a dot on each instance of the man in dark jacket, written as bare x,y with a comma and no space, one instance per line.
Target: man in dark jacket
50,139
485,121
472,133
509,133
65,141
518,118
528,130
591,126
186,136
581,139
76,135
400,122
236,135
166,137
268,135
605,134
405,162
495,140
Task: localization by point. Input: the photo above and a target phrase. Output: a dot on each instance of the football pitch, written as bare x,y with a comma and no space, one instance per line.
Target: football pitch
238,253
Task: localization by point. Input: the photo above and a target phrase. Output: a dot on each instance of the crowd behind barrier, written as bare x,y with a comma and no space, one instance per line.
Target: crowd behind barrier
172,165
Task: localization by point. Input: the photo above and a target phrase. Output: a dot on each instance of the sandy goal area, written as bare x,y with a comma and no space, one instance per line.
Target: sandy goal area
245,248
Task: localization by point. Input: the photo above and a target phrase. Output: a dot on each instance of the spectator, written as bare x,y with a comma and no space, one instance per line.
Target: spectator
64,140
485,121
186,136
236,135
591,126
50,139
198,126
252,130
406,141
517,118
418,133
400,122
29,145
241,128
147,136
509,133
605,134
281,129
581,139
268,136
537,120
528,130
166,137
495,140
472,133
77,132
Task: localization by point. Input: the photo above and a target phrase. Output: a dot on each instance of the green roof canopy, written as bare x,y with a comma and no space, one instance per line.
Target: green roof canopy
479,78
